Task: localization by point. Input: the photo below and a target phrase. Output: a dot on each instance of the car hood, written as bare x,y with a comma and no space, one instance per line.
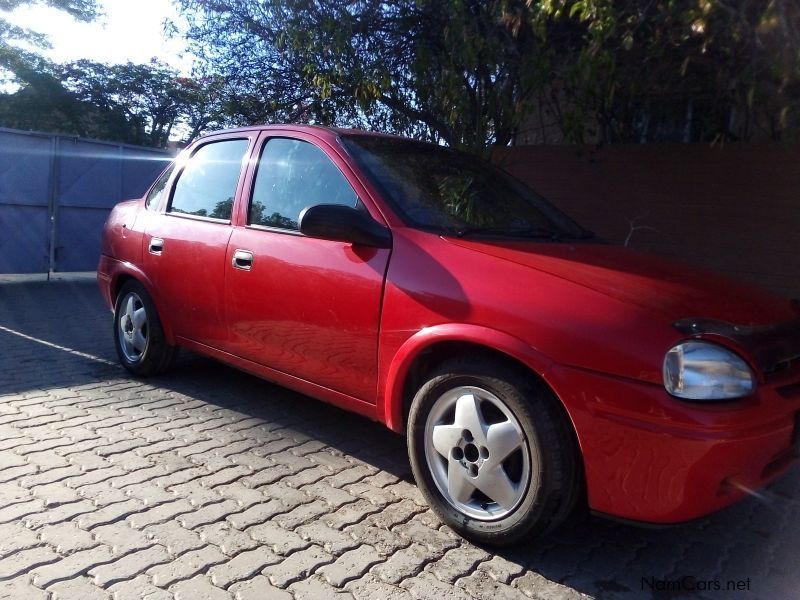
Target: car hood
674,290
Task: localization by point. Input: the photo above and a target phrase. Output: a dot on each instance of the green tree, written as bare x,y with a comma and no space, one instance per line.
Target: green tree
145,100
203,103
142,104
478,72
133,103
12,57
42,103
683,70
458,71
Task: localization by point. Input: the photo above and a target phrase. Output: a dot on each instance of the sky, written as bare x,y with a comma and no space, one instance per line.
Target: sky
128,30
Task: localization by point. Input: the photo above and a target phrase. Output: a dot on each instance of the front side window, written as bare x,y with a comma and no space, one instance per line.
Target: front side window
207,185
151,203
291,176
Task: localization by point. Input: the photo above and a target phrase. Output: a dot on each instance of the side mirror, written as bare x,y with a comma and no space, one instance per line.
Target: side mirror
343,224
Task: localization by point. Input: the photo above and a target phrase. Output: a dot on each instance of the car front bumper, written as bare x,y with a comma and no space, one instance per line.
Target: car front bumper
654,458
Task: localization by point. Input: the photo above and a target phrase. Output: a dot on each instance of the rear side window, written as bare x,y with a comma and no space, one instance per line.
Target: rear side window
207,185
151,203
291,176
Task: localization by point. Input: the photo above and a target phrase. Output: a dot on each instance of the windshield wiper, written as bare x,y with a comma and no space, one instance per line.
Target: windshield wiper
526,232
585,234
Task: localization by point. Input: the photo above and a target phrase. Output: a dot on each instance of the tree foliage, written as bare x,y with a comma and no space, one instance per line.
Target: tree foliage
133,103
478,72
137,103
84,10
142,104
456,71
12,57
683,70
469,73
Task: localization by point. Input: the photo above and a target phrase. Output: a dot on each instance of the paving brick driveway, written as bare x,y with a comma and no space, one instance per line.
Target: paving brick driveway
210,483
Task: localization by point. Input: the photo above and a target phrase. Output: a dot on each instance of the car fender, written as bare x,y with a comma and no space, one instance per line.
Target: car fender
390,399
126,269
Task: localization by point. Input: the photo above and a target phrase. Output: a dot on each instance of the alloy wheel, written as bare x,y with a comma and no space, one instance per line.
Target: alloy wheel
132,328
477,453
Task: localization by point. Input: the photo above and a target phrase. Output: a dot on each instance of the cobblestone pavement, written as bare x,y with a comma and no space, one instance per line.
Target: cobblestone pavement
210,483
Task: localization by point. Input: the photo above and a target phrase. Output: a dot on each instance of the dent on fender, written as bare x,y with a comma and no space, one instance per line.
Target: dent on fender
390,399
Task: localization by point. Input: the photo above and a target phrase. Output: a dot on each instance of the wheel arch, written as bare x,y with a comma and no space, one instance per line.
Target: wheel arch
422,356
422,352
128,272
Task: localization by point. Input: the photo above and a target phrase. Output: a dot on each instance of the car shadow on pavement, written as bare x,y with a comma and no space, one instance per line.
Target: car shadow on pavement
226,387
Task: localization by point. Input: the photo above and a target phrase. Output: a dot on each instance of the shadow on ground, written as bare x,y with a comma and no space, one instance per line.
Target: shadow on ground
751,546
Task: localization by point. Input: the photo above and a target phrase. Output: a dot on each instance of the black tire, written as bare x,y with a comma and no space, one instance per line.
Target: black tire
154,355
544,494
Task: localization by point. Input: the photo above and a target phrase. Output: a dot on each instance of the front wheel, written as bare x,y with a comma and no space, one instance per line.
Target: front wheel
492,452
139,338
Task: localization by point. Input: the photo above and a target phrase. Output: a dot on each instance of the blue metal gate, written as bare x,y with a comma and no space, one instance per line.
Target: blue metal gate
56,192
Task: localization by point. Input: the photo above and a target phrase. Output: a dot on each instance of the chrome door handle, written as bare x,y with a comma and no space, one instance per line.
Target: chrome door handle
156,246
242,259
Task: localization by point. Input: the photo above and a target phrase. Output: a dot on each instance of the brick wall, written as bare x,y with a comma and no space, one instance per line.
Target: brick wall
735,209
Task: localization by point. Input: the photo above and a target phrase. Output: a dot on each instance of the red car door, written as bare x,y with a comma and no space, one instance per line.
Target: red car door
307,307
184,246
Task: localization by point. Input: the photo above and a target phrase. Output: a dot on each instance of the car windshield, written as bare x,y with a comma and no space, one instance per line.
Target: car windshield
440,189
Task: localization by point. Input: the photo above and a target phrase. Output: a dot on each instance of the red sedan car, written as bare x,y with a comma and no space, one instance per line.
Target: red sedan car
533,368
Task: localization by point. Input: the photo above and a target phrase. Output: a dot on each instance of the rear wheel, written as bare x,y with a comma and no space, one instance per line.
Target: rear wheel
138,334
492,452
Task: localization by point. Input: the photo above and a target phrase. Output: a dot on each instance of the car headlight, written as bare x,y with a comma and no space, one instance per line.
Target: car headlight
698,370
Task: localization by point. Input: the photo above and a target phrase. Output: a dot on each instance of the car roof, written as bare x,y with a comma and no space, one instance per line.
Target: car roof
319,130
